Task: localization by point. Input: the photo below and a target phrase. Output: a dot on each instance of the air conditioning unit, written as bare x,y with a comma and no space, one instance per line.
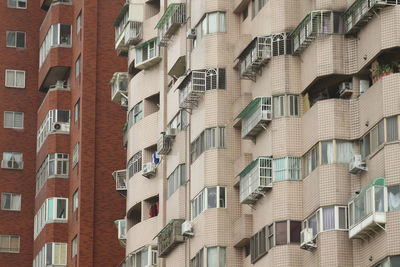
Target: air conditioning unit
171,132
191,34
345,87
149,169
357,166
306,239
60,127
124,102
187,228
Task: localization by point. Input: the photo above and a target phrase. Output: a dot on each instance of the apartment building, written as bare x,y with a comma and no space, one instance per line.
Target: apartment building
260,132
60,140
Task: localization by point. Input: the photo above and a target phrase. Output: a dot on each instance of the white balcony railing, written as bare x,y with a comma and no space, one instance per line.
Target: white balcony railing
173,18
367,210
256,116
192,88
255,179
362,11
255,56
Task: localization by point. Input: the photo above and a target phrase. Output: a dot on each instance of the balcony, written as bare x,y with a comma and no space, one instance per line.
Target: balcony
315,24
367,210
173,18
45,4
121,227
255,179
120,182
192,88
362,11
147,54
255,117
119,88
169,237
128,27
164,143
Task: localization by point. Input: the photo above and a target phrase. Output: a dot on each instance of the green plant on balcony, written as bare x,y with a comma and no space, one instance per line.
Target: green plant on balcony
380,70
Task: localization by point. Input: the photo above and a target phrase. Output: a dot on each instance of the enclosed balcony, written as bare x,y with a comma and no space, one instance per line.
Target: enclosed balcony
173,18
121,227
120,182
192,89
164,143
315,24
256,116
362,11
128,27
255,179
147,54
367,210
119,88
169,237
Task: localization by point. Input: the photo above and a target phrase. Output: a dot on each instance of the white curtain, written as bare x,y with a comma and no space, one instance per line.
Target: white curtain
327,152
212,257
344,151
10,78
329,218
394,198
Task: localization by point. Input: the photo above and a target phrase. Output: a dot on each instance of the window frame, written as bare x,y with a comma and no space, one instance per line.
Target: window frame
15,45
14,113
17,4
3,250
12,200
14,85
12,159
75,155
202,198
320,220
135,164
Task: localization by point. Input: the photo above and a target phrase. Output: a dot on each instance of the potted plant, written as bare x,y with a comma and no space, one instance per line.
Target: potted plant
380,70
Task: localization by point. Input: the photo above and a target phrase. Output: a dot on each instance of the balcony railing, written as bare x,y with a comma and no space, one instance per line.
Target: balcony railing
255,179
119,88
121,227
256,116
362,11
192,88
367,210
173,18
169,237
60,85
120,181
315,24
128,27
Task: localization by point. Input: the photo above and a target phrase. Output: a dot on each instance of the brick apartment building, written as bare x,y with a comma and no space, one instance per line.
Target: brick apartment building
260,132
61,136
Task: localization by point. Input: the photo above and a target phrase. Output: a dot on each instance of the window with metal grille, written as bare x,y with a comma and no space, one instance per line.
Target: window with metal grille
15,39
13,119
135,164
286,105
215,79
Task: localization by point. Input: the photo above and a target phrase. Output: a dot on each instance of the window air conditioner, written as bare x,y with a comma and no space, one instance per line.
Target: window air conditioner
149,169
171,132
345,86
357,166
191,34
60,127
124,102
187,228
306,239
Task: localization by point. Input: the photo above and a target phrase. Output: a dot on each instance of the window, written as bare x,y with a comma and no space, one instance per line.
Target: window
286,105
245,13
147,51
78,23
327,152
15,78
77,111
327,218
216,257
135,164
287,168
75,201
55,165
56,121
394,197
344,151
198,260
176,179
211,23
77,67
135,114
256,6
215,79
13,119
12,160
52,210
311,159
392,129
17,4
392,261
15,39
58,35
74,246
9,243
208,198
56,254
10,201
180,121
208,139
258,245
75,155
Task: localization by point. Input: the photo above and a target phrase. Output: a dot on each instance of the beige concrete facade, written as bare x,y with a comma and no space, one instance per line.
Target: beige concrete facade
324,98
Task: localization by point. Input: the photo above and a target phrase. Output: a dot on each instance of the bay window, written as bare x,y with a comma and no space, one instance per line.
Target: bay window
59,35
135,164
210,257
208,139
176,179
211,23
327,218
208,198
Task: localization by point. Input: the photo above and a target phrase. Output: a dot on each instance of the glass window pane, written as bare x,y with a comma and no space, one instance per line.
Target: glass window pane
327,152
20,39
10,78
212,257
295,229
328,218
344,151
394,197
50,209
222,27
281,233
61,208
212,22
212,197
55,34
20,79
11,38
342,218
222,197
49,254
391,129
65,34
222,257
379,199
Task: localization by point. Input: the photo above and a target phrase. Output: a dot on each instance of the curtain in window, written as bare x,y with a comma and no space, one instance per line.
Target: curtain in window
10,77
329,218
11,38
221,197
212,22
222,27
394,197
222,257
344,151
212,257
392,129
279,169
5,201
14,243
312,223
8,119
212,197
18,119
327,152
16,202
379,199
